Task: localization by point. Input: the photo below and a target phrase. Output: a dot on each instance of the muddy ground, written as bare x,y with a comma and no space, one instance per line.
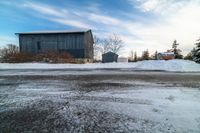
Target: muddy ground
78,103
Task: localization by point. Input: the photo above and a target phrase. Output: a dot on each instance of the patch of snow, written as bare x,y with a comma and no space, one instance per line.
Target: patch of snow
170,65
179,106
174,108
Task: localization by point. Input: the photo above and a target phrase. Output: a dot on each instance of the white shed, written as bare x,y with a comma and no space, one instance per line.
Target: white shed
122,59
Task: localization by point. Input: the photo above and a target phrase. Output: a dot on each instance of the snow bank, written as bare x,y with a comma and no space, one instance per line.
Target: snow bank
64,66
171,65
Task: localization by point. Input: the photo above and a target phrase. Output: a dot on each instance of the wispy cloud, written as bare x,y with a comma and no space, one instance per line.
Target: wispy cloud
55,14
160,7
74,23
45,9
180,24
75,18
173,20
149,5
103,19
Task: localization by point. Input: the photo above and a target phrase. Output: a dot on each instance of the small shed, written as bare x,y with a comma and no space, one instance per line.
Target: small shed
109,57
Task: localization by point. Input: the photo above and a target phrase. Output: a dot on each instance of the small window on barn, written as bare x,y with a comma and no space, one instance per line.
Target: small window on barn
38,46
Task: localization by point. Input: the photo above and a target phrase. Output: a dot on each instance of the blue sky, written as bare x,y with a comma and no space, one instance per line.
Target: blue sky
141,24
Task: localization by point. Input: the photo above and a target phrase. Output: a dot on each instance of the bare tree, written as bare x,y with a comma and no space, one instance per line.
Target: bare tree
13,49
135,57
96,47
10,49
105,46
115,43
131,56
7,52
101,46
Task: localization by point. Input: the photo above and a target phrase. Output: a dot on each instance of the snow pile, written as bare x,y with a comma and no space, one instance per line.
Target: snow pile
65,66
171,65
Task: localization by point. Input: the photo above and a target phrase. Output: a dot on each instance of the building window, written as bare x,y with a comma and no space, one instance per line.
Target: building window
38,46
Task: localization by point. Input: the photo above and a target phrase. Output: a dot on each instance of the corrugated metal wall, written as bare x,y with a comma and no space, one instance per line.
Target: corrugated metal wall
37,43
89,45
109,57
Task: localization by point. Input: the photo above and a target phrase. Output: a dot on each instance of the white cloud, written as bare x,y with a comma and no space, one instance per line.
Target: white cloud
103,19
175,20
73,18
161,7
55,14
182,24
149,5
44,9
70,22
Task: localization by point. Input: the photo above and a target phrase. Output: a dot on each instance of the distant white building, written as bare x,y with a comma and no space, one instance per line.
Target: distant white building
122,59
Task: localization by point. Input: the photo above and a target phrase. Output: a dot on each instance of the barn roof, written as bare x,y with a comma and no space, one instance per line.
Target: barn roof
55,31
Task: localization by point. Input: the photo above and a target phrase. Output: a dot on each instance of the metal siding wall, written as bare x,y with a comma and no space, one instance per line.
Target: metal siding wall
26,44
72,41
53,42
109,57
88,45
48,43
69,42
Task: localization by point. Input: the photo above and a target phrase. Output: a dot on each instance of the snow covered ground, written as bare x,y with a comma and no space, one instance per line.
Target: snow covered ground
175,108
140,102
111,97
171,65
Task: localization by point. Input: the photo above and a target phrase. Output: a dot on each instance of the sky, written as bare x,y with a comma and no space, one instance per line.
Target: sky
141,24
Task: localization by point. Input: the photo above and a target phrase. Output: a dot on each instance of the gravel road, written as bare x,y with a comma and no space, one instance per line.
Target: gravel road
99,101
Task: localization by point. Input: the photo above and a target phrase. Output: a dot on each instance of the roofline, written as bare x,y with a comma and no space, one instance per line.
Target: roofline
53,32
109,52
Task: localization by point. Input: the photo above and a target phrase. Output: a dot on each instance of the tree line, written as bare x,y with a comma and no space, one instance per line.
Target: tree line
115,44
146,55
112,43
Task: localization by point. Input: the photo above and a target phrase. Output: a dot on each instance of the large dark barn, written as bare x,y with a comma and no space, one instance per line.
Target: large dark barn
78,43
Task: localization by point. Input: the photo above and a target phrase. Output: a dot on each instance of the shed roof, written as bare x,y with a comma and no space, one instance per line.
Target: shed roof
55,31
109,53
